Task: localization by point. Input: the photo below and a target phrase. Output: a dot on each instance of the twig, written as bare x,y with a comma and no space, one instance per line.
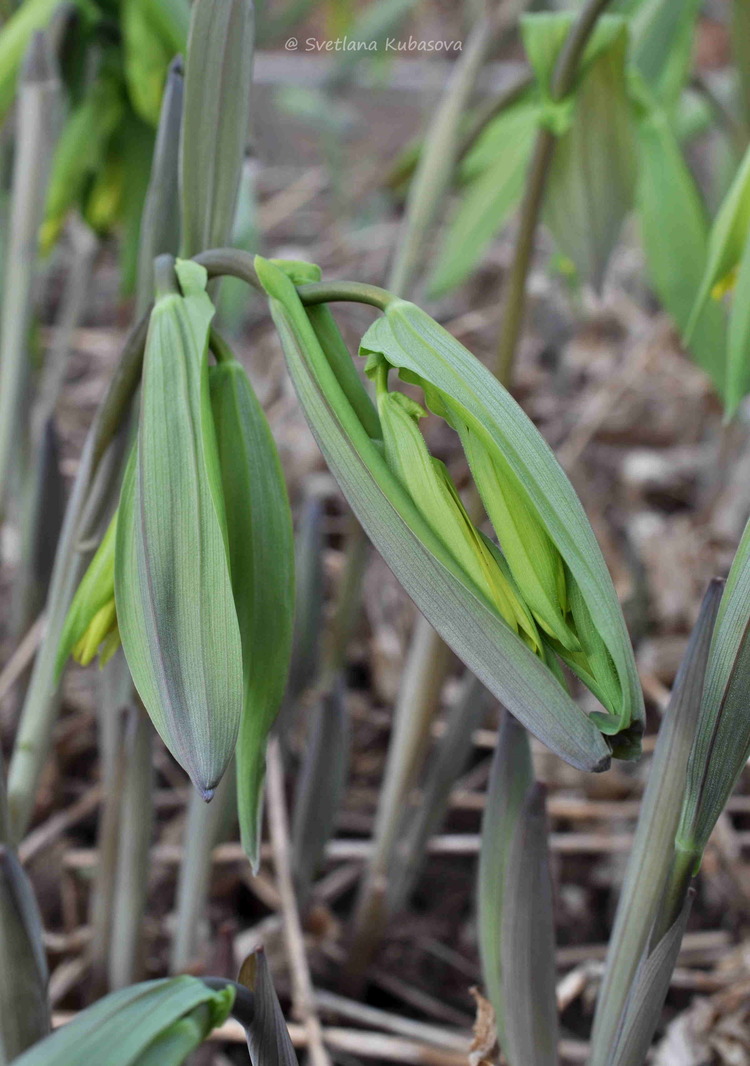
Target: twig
515,302
449,1039
49,831
21,657
303,993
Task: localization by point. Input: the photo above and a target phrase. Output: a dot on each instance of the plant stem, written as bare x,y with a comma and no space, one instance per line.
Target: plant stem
531,207
347,605
204,826
136,826
515,296
4,819
36,135
233,262
325,292
221,350
437,160
676,889
44,491
428,657
112,757
646,900
88,503
422,683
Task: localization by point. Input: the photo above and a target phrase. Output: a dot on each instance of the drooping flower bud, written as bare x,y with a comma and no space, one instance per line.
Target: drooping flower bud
544,534
173,591
449,578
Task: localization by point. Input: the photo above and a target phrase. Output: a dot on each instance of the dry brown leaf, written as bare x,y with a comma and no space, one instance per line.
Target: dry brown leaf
484,1050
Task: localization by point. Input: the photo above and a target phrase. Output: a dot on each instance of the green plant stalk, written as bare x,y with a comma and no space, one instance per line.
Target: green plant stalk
36,134
511,777
428,655
4,819
29,590
422,818
654,888
238,264
422,683
320,785
437,161
102,895
427,663
206,822
514,307
126,961
41,507
679,878
89,494
348,601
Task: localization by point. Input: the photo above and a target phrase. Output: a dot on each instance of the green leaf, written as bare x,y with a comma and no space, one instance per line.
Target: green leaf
36,128
175,1044
722,746
496,169
160,222
261,558
80,153
592,176
133,145
24,1007
340,361
459,388
648,994
268,1039
91,616
663,35
674,230
511,777
726,242
309,599
17,31
426,810
527,940
738,349
740,38
544,33
216,119
431,576
320,785
146,58
428,483
173,591
171,20
652,853
122,1028
531,555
